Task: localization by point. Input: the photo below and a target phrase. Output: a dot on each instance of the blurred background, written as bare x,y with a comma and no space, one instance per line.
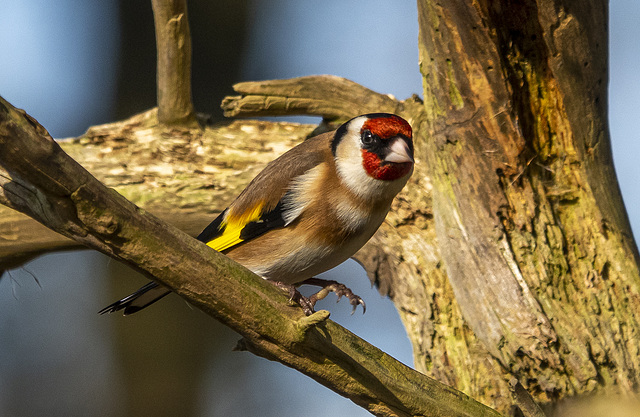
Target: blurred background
75,64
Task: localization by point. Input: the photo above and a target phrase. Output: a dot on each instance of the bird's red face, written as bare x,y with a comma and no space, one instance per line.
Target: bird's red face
387,147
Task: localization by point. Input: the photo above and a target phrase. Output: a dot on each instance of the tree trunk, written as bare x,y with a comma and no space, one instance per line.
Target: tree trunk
543,281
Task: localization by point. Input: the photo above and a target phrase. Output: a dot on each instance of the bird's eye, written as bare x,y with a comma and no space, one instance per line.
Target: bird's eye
367,137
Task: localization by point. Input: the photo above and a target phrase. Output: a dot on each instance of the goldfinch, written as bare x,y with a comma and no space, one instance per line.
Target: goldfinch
310,209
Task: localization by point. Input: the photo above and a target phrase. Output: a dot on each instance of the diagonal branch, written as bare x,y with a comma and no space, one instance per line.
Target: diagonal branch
39,179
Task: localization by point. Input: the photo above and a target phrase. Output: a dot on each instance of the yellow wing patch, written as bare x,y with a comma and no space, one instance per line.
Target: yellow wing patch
233,226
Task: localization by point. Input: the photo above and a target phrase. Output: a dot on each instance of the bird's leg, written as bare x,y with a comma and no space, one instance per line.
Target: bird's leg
327,286
336,287
294,295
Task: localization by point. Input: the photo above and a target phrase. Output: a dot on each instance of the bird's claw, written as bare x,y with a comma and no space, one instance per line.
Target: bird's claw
355,301
343,291
294,295
328,286
339,289
306,304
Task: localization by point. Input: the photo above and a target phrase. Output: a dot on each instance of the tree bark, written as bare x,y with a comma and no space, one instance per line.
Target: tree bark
173,40
529,220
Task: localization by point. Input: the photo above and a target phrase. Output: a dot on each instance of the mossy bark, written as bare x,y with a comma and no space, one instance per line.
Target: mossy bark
543,277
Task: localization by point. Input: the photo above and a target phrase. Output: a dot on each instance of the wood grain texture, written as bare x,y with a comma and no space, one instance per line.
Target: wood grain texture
528,215
173,45
333,98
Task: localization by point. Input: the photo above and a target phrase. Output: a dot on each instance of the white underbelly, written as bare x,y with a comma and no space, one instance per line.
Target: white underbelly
308,260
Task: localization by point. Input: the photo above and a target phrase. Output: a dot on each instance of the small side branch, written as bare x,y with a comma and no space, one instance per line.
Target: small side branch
173,42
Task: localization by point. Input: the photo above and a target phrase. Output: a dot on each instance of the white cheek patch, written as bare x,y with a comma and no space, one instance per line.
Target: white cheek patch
349,162
350,167
356,178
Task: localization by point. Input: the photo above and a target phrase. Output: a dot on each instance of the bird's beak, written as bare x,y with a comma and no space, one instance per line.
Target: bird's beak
399,152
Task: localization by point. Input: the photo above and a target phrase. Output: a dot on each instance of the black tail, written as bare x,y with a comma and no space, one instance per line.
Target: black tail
152,292
145,296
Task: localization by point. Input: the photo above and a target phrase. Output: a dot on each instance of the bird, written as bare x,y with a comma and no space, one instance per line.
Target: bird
310,209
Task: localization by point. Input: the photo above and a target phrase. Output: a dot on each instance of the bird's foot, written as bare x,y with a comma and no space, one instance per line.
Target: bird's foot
294,295
339,289
328,286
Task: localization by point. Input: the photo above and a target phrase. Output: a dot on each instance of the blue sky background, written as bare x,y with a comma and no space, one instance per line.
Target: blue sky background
60,63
